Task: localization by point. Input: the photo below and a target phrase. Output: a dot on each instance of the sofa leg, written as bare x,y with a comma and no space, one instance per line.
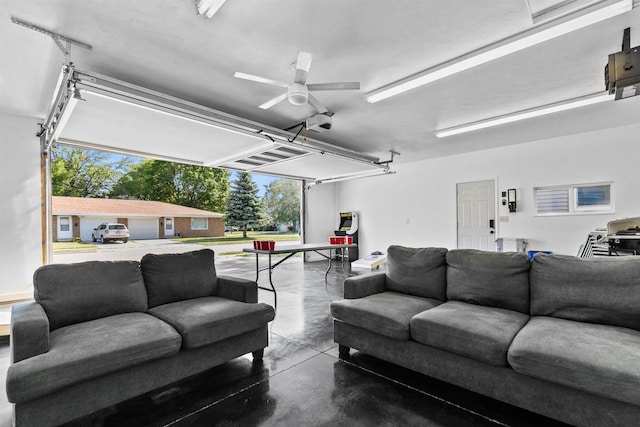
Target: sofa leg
258,354
343,350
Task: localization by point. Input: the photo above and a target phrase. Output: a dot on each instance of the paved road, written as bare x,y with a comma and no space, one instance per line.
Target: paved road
134,250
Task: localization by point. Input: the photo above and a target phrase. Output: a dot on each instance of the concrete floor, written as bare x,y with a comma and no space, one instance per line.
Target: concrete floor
301,380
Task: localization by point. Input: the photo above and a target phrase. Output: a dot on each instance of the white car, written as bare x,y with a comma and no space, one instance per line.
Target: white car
110,231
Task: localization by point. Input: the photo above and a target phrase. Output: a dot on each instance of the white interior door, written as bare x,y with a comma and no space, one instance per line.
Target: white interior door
476,215
64,228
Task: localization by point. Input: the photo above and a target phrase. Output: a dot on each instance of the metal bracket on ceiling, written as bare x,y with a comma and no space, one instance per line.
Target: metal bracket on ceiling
387,162
64,43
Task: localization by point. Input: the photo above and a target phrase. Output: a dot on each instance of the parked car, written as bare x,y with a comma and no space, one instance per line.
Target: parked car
230,228
110,231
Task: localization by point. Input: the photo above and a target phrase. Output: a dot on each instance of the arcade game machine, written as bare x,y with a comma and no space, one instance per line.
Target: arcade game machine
348,227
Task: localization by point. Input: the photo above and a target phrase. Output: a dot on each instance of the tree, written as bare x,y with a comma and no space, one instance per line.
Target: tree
194,186
243,205
85,173
282,200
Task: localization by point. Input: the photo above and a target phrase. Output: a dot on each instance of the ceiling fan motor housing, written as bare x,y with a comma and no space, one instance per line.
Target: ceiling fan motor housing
297,93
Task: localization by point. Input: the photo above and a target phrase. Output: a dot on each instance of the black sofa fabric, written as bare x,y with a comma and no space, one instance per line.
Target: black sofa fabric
558,320
97,325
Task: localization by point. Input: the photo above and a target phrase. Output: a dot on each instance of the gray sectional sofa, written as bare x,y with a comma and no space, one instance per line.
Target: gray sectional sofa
559,335
102,332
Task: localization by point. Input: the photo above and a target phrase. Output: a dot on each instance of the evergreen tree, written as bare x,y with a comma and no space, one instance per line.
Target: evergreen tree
243,205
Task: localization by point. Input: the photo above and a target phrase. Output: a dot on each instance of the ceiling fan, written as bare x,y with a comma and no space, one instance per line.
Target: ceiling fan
298,91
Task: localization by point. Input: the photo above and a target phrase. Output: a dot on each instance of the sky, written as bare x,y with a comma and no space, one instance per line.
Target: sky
260,181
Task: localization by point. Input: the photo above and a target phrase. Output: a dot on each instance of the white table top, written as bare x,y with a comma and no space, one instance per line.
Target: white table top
307,247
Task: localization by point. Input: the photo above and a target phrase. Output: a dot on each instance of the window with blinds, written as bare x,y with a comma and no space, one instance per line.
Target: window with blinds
573,199
199,223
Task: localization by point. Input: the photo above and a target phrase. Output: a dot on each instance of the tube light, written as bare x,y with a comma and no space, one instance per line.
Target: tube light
526,114
355,175
503,48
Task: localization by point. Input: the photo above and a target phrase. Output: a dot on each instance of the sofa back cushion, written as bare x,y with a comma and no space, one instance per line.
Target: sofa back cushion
177,277
74,293
497,279
417,271
595,290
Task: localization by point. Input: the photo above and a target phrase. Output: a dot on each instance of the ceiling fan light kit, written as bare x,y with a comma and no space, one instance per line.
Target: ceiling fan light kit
297,94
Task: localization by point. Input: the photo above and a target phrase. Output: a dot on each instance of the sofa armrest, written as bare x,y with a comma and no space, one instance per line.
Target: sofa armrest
366,284
234,288
29,331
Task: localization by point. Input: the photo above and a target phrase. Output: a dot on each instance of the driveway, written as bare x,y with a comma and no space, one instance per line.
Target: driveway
136,249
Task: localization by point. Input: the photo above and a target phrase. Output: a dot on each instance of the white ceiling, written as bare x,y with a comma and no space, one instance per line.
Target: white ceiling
163,45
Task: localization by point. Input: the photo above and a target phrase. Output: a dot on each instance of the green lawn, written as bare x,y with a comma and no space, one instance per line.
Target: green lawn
236,237
74,247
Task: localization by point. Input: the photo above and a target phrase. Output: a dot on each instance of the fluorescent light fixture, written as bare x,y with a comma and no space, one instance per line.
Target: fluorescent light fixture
355,175
526,114
208,8
537,35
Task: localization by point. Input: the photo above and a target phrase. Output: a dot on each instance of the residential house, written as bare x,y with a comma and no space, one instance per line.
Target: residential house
77,217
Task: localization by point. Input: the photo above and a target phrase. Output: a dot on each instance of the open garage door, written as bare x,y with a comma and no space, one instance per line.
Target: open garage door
99,112
121,117
89,223
143,228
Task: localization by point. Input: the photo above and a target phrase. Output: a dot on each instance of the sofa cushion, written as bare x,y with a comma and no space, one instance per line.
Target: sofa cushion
203,321
417,271
474,331
177,277
601,359
386,313
495,279
73,293
88,350
596,290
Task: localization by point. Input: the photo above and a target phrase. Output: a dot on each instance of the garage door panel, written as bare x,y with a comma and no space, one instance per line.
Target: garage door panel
143,228
87,224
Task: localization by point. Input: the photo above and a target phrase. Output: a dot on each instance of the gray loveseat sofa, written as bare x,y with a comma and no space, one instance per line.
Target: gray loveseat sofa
559,336
102,332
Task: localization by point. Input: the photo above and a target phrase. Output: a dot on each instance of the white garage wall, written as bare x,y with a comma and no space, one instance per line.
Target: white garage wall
417,206
322,216
20,246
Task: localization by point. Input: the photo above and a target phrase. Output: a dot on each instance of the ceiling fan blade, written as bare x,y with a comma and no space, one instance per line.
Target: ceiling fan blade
321,109
304,61
274,101
302,67
259,79
334,86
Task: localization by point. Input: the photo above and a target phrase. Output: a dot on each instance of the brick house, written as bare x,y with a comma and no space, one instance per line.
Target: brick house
76,217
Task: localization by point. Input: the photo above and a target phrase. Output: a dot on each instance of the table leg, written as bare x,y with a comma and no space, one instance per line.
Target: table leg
257,268
273,288
327,272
